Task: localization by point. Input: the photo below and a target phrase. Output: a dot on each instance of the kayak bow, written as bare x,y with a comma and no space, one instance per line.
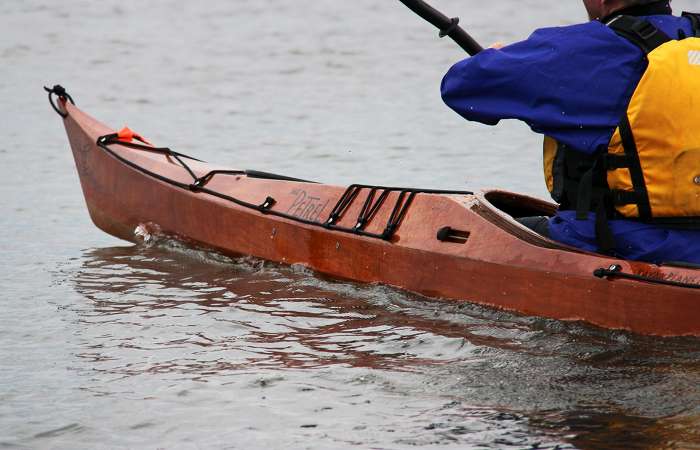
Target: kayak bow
453,245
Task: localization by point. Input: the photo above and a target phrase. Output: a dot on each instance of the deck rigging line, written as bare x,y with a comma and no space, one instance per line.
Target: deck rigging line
367,213
615,271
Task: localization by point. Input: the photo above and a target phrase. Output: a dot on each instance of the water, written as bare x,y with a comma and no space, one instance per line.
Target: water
108,345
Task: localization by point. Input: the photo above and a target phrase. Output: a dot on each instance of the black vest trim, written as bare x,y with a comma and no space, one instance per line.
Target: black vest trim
638,31
614,162
640,187
587,193
603,233
559,174
694,21
622,198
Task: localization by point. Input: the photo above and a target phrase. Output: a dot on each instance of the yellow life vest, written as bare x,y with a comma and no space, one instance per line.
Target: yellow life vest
657,143
651,170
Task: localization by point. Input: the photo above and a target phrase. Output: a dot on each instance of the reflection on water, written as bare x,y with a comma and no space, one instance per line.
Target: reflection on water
248,312
447,374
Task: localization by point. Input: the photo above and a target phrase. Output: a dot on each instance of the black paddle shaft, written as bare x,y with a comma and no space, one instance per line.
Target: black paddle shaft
447,26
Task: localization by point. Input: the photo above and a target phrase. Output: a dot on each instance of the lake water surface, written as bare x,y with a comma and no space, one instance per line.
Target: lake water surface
104,344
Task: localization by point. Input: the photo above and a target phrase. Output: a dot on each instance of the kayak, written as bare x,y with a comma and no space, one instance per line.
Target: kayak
455,246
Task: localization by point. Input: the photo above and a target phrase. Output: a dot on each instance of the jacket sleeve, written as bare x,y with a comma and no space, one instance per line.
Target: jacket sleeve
505,83
571,83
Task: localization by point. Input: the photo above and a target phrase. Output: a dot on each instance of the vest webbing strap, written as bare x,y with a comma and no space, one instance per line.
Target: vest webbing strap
648,38
638,31
621,198
694,21
640,187
614,162
603,233
587,193
597,199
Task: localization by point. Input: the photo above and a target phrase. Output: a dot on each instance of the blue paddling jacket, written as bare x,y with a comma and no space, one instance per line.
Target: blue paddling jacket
574,84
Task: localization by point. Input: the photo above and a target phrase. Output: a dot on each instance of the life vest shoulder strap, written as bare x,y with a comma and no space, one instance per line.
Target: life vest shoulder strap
638,31
694,20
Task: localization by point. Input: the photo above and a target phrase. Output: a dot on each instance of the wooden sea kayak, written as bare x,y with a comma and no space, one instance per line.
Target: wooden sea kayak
451,245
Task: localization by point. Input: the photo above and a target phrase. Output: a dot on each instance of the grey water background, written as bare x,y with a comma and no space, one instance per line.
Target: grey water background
104,344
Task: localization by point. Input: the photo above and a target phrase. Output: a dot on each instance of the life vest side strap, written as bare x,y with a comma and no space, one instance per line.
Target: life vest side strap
586,195
614,162
638,31
622,198
635,168
597,199
694,20
603,233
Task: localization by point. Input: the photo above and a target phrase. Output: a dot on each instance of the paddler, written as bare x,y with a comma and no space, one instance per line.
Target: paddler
619,101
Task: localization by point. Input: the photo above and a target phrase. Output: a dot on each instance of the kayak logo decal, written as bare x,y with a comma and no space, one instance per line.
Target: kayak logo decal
306,206
694,57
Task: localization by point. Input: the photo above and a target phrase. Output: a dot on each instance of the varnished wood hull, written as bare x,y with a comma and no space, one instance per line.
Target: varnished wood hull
501,264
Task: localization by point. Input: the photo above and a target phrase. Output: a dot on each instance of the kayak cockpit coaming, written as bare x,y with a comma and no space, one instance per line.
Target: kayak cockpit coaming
518,205
501,208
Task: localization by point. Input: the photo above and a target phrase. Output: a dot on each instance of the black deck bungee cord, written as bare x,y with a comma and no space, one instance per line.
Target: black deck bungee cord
615,271
368,211
60,92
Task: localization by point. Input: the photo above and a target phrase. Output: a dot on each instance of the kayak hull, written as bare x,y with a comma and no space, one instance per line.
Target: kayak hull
494,261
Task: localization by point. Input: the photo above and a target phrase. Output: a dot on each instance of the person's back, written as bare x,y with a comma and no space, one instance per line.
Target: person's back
575,84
